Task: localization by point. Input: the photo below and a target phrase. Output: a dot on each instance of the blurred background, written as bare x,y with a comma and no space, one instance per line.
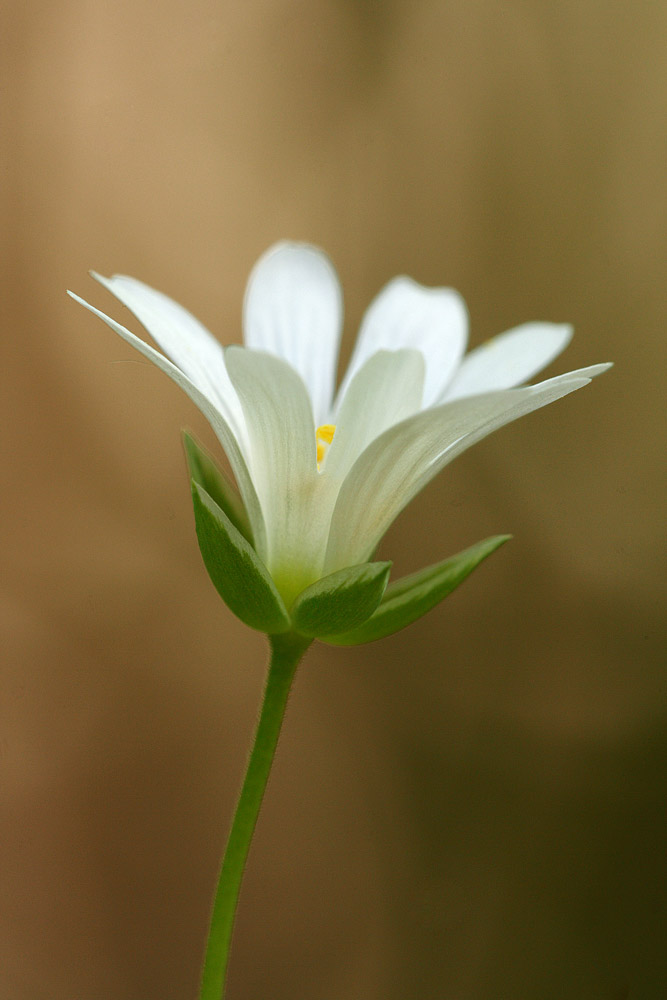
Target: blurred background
477,808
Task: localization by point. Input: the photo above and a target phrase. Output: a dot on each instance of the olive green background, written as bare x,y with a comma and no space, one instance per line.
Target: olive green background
477,808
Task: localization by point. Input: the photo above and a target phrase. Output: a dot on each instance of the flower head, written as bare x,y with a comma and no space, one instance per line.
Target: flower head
322,474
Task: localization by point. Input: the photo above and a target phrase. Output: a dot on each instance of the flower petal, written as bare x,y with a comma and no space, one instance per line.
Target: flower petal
397,465
281,434
294,310
217,420
406,314
385,390
509,359
183,339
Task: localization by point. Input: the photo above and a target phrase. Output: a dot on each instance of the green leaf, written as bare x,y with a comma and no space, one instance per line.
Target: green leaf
239,576
341,601
216,483
409,598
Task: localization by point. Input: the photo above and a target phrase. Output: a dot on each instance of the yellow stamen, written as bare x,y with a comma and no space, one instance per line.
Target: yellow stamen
324,437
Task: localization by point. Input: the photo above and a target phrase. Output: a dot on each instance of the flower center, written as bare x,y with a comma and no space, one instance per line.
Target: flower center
324,437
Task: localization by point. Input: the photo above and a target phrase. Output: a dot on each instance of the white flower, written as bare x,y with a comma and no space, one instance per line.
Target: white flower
323,474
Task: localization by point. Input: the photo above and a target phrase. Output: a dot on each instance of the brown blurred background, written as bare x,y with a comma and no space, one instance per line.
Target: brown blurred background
477,808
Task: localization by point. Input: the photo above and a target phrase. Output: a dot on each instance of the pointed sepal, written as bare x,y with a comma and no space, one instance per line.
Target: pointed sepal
217,484
239,576
341,601
409,598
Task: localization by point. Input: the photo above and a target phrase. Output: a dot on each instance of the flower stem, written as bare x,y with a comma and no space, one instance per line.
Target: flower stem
286,652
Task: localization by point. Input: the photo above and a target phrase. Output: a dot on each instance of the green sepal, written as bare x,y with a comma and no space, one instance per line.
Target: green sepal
238,574
412,596
341,601
217,484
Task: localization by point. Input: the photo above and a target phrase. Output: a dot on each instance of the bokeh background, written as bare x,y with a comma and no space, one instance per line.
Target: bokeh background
477,808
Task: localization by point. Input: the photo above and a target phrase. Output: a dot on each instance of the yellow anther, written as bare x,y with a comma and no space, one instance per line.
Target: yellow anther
324,437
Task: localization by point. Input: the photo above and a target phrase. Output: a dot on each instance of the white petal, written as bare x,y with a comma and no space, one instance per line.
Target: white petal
183,339
509,359
294,310
386,389
281,432
406,314
396,466
217,421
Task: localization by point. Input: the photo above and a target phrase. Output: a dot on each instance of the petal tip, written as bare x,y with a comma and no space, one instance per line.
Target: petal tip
294,248
106,282
77,298
594,370
566,331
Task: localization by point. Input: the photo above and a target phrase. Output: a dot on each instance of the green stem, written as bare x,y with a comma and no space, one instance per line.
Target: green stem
286,652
